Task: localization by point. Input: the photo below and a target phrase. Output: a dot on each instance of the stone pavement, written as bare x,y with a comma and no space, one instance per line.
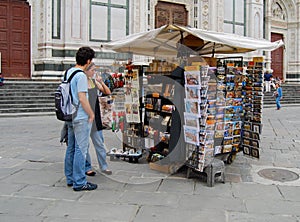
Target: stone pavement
33,187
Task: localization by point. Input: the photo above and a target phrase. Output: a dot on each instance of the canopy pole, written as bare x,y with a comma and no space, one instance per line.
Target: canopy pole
213,51
181,37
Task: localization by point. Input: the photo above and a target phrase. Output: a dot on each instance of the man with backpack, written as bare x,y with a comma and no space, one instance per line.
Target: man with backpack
80,126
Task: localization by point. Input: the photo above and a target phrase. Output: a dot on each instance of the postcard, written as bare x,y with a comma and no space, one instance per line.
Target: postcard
255,152
192,106
227,140
219,126
257,128
191,135
237,125
219,134
192,92
227,148
247,126
236,132
192,78
247,150
218,150
191,120
228,133
236,139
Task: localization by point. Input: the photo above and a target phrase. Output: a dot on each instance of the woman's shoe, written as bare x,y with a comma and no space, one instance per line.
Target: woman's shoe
90,173
107,172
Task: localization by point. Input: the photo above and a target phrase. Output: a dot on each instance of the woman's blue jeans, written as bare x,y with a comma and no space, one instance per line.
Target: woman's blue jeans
98,141
278,102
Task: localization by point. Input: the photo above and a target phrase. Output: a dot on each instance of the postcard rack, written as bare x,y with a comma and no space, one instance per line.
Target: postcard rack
223,111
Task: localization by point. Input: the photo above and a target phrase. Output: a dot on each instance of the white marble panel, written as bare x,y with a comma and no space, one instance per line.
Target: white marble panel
118,23
99,28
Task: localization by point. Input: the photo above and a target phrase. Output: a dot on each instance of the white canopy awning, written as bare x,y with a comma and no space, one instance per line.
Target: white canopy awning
170,40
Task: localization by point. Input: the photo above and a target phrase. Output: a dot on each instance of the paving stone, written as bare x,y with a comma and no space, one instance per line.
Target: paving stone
234,178
267,206
35,177
49,192
193,202
255,191
148,187
291,193
6,172
150,198
101,196
158,214
257,217
20,218
91,211
222,190
9,189
173,185
15,206
11,162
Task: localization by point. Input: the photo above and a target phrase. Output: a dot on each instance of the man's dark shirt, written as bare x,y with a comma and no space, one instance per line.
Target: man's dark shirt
268,76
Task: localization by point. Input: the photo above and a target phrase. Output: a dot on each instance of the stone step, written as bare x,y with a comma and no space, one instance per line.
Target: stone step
27,105
26,94
26,101
31,109
38,97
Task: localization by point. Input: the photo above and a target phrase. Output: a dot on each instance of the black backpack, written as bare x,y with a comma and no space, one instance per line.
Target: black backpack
64,108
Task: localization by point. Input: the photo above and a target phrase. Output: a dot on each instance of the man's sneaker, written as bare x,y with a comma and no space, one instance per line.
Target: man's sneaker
88,186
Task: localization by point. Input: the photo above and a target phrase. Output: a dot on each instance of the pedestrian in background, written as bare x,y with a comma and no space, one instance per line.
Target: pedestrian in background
278,95
96,83
1,80
267,78
80,127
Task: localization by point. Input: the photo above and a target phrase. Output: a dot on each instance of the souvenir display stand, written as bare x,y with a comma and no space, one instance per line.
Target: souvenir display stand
199,116
214,109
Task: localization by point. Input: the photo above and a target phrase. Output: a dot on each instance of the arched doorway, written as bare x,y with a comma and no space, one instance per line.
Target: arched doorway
277,57
15,39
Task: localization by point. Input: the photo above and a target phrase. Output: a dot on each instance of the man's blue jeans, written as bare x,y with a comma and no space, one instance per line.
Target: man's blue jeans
98,141
69,157
78,144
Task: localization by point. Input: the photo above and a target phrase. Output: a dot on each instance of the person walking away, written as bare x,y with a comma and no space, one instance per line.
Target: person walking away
278,95
80,126
267,78
96,131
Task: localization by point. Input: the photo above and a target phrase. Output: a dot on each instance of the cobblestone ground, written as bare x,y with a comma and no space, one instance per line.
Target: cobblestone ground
33,187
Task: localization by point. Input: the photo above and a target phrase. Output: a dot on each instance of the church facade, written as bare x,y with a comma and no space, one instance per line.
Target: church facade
39,39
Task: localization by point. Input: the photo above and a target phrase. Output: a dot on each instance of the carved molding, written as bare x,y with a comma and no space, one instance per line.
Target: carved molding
277,11
205,14
220,20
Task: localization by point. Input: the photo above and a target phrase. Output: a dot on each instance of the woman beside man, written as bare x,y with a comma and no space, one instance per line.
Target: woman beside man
96,83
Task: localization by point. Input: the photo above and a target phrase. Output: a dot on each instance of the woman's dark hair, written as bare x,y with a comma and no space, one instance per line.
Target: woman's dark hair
84,54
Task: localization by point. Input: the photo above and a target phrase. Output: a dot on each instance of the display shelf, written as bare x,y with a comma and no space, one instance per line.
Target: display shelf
159,103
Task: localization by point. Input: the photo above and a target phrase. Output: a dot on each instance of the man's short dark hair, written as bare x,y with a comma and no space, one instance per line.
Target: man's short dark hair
84,54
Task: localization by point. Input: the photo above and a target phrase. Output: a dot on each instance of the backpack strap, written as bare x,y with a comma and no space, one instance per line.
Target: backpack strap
72,75
69,80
